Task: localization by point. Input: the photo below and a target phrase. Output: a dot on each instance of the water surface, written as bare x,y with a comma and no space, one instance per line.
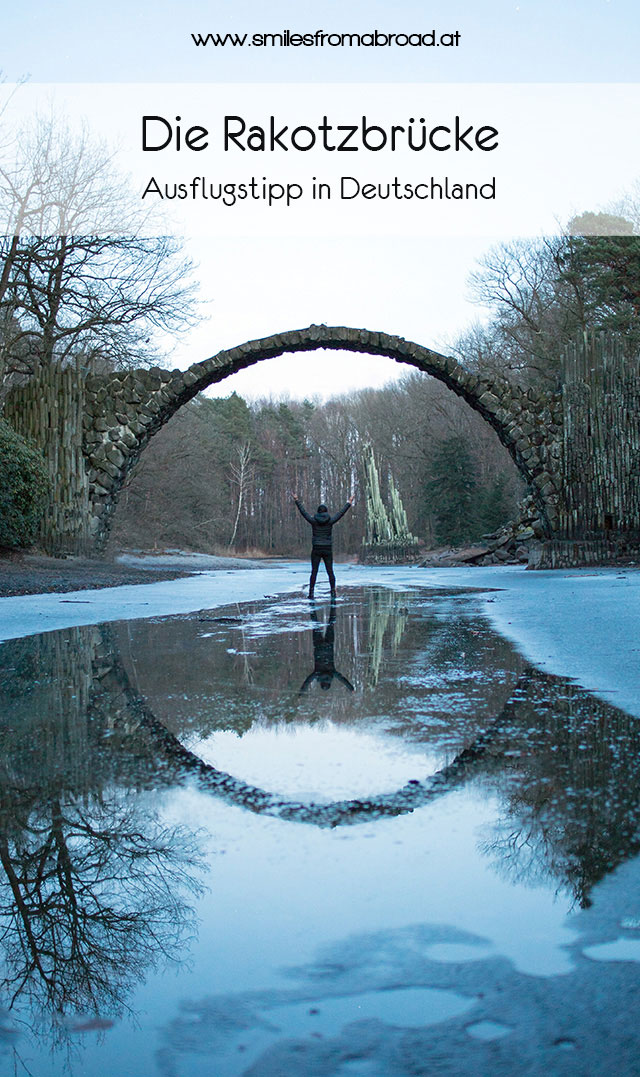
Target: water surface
284,835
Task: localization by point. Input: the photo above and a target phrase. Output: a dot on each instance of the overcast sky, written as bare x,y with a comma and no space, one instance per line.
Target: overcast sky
253,286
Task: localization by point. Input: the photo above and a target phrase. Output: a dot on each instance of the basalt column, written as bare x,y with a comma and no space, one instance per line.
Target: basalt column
50,411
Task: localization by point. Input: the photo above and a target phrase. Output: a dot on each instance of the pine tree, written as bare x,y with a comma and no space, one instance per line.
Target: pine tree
453,493
495,507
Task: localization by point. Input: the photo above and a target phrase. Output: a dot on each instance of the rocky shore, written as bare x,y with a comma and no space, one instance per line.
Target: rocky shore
516,543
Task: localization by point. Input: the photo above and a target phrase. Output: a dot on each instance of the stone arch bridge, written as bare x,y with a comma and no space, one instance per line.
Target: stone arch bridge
94,428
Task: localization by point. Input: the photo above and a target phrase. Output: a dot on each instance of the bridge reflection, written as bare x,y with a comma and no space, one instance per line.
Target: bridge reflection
95,889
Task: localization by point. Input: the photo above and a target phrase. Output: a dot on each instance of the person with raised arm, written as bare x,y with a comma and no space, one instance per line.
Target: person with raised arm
322,540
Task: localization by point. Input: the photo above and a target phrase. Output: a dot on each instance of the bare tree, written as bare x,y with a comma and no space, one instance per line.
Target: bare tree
82,277
541,292
241,475
535,308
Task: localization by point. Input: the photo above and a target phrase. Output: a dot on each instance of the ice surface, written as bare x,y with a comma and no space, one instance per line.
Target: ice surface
620,950
583,623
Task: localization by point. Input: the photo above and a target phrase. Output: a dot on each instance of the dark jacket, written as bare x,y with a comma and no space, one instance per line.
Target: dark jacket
321,525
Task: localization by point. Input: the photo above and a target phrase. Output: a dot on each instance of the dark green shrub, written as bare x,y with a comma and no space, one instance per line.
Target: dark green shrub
23,488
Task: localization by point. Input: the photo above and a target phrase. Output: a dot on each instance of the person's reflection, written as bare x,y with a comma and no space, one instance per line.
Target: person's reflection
324,670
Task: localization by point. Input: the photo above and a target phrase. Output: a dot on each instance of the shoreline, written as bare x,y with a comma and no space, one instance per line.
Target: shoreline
582,624
38,574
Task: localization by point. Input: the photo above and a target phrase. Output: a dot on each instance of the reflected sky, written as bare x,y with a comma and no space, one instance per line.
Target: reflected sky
192,806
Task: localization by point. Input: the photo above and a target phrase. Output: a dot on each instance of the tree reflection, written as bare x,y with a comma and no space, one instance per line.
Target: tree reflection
570,787
92,897
95,891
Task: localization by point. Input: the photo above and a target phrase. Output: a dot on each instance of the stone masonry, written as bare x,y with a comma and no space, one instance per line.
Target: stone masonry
122,411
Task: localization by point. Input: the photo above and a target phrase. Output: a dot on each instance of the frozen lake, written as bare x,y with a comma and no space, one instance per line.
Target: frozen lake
397,834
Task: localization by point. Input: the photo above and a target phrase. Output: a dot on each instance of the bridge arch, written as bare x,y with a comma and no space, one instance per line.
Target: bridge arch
123,411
